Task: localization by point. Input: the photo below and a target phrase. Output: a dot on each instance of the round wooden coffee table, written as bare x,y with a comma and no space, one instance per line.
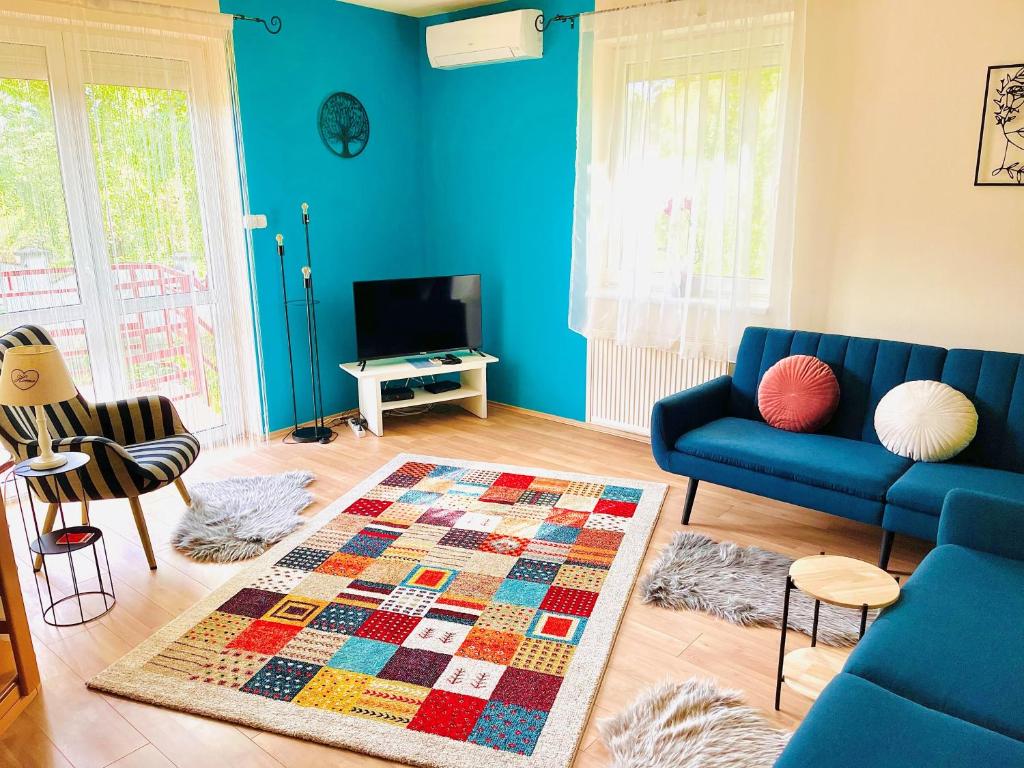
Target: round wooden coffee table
840,581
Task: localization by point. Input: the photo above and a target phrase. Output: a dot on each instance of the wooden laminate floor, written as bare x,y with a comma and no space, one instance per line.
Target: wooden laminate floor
68,725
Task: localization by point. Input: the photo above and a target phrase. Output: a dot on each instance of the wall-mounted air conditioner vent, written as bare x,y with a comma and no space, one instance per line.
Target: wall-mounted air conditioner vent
485,40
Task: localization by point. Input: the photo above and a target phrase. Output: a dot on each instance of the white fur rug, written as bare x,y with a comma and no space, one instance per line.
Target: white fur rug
691,725
240,517
744,585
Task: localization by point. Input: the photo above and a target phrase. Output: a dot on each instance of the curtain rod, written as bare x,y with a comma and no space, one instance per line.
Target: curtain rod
273,26
542,25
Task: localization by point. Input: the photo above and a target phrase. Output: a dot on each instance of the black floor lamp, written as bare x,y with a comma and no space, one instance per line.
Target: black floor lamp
318,431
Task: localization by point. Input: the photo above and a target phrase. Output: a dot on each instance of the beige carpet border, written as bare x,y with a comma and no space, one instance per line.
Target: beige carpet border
561,734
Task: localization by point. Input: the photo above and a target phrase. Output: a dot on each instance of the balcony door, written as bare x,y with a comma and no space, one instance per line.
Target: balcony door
120,219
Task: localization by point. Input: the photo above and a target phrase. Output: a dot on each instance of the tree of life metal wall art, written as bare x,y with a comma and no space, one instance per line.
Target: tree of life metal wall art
344,125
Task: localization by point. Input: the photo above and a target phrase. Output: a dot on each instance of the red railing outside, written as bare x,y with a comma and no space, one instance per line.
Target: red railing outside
162,346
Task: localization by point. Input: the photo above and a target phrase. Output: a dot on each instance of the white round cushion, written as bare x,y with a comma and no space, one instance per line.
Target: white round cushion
925,421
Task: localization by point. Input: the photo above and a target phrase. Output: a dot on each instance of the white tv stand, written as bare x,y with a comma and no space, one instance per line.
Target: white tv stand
472,395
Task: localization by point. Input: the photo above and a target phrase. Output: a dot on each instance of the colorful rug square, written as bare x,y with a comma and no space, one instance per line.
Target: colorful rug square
444,613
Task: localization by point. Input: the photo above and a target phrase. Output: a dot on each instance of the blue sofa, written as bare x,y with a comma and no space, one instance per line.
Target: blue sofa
715,432
938,680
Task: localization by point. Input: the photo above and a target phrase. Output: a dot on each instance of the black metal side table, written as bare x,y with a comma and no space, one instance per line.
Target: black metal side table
91,600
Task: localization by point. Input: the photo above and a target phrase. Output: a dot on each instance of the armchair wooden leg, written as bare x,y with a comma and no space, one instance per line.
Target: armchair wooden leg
183,491
140,523
51,515
85,511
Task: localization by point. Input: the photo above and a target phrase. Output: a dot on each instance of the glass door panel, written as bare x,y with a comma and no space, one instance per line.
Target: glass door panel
37,269
141,136
146,171
39,274
173,351
71,338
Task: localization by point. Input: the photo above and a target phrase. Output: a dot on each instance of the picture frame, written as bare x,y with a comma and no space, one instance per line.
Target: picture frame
1001,138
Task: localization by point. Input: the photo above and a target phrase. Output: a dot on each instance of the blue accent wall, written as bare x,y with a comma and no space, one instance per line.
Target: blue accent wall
365,212
468,170
498,177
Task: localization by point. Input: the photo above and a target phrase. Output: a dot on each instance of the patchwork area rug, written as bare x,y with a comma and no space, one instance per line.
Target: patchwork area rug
743,585
444,613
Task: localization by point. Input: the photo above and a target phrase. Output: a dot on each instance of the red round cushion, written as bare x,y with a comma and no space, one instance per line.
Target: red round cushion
798,394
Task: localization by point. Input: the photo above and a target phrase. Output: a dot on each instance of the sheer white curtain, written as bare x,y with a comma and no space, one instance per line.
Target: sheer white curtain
121,209
687,129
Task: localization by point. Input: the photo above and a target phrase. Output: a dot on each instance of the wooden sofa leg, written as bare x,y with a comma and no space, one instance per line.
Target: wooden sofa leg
51,516
886,550
140,523
691,494
85,511
185,496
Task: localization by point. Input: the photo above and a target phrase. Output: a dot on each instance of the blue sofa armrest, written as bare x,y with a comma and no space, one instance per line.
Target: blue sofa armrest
677,414
984,522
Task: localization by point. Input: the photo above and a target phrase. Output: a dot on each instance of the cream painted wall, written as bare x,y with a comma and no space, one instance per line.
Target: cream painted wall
892,238
192,5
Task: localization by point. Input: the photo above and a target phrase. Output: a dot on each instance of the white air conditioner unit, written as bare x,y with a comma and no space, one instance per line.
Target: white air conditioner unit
485,40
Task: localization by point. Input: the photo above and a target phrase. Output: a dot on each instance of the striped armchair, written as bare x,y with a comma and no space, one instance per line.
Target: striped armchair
136,446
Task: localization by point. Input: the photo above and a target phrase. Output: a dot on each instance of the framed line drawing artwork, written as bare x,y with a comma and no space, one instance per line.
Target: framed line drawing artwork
1001,140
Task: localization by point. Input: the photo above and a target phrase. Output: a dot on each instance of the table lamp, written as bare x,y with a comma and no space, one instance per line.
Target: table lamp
36,376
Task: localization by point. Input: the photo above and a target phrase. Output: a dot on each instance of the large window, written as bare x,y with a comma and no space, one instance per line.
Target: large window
119,218
688,161
687,129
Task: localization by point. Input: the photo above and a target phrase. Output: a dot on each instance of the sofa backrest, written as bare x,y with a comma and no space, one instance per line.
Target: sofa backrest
866,370
995,383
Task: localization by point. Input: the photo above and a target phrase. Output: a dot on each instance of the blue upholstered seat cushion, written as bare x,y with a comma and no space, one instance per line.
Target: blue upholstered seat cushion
854,467
856,724
924,486
955,640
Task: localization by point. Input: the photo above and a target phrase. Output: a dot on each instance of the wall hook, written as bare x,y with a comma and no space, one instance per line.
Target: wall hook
542,25
273,26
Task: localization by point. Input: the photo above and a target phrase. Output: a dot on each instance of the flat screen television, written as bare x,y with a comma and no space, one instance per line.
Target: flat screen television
417,316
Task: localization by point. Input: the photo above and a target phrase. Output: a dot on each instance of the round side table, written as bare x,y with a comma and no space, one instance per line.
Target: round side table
59,609
840,581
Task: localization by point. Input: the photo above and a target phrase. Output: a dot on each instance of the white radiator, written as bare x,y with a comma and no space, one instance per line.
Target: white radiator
623,383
